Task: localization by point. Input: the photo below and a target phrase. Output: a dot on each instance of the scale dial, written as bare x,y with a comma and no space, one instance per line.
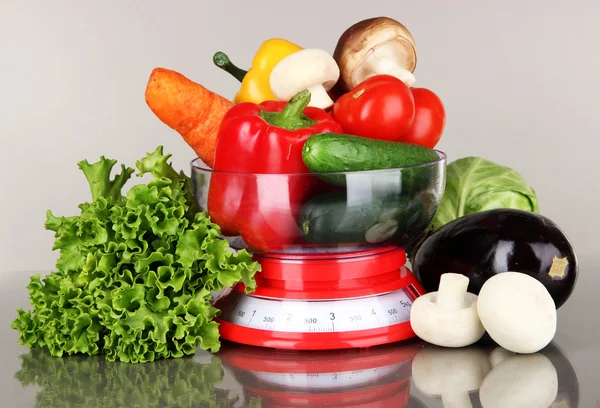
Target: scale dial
318,302
341,315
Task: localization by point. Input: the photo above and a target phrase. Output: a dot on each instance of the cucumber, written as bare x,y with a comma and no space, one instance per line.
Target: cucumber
328,219
333,152
331,219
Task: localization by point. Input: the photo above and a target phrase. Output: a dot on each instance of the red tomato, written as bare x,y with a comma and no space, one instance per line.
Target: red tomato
380,107
430,118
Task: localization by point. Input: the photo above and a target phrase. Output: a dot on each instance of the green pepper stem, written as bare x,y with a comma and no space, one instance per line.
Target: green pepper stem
292,116
222,61
295,106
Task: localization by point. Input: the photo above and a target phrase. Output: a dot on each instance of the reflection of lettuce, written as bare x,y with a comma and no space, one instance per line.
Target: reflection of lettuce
474,185
91,382
135,271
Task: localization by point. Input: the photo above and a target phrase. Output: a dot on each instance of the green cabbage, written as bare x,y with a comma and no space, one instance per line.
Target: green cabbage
474,185
135,272
89,382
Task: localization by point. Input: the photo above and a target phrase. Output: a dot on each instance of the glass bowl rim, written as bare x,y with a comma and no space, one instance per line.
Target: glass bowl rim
197,164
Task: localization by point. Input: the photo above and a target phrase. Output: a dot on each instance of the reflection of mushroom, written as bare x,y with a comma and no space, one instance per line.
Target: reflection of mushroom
391,214
517,311
447,317
520,381
311,69
381,232
375,46
500,354
450,373
429,200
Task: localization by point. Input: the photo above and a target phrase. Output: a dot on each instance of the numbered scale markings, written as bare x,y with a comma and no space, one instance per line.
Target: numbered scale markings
330,381
318,316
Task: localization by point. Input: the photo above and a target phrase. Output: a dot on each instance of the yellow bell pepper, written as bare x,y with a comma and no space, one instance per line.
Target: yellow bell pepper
255,82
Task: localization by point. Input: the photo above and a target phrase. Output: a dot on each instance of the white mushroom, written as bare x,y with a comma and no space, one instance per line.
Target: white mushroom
517,311
529,381
450,373
311,69
374,46
447,317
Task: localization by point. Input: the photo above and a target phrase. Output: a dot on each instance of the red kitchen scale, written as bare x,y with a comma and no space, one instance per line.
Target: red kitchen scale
348,287
355,299
378,377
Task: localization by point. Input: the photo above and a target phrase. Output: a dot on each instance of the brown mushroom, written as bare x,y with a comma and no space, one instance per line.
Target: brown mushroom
378,45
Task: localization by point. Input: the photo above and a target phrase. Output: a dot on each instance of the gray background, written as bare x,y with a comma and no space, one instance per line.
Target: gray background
519,79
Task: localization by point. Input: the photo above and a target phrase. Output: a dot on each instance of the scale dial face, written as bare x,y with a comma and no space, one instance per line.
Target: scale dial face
323,316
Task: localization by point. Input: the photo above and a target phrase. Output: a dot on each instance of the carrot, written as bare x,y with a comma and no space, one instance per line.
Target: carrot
188,108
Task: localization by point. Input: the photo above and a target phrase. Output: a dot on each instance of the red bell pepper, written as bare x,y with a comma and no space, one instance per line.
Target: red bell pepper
256,144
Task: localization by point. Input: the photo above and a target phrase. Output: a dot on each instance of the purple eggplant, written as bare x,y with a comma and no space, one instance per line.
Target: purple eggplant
483,244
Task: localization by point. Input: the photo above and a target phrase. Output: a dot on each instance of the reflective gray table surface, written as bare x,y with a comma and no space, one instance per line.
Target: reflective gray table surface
406,374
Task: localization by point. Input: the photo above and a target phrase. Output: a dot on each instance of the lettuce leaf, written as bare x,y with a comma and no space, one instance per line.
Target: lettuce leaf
89,382
135,273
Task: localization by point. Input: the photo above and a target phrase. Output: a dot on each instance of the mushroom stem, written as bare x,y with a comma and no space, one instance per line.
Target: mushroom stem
456,400
375,65
319,97
452,291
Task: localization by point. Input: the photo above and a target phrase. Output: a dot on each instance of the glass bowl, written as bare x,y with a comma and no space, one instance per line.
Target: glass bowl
321,213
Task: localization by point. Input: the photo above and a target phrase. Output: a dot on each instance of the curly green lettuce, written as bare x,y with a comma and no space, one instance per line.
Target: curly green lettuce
135,273
89,382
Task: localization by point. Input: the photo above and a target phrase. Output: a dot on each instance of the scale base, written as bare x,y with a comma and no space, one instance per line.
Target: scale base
359,300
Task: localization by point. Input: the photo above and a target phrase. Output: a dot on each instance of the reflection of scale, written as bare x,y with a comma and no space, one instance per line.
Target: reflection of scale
377,377
324,301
